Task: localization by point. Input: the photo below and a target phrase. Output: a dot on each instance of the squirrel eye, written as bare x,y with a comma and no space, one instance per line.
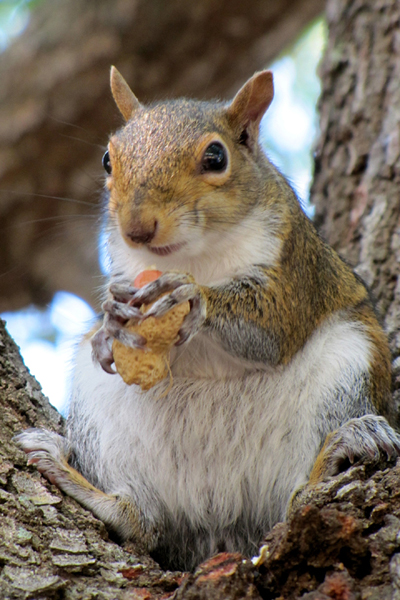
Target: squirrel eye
214,158
107,162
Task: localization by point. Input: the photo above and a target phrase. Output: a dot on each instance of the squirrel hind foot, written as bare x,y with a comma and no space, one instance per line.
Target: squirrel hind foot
49,452
362,438
34,440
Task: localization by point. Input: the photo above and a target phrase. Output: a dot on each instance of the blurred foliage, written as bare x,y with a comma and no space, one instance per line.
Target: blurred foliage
14,17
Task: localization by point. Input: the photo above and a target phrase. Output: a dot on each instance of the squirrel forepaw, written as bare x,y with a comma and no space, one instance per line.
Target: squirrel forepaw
102,350
112,328
118,310
177,288
360,438
124,303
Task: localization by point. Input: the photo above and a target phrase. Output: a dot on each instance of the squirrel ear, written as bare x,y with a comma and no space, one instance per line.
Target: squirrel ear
124,98
252,100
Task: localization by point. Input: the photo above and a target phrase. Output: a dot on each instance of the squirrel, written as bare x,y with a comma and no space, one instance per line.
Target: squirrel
281,374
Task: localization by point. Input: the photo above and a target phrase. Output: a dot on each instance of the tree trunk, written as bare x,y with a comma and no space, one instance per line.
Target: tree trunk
341,541
56,113
356,186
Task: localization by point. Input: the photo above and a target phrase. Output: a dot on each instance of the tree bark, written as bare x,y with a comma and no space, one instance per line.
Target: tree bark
357,174
341,540
56,113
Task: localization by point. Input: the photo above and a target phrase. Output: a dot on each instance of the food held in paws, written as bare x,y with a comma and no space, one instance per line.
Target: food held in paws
148,366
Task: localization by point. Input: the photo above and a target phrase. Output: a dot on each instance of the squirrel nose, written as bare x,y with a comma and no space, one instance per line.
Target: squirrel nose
140,235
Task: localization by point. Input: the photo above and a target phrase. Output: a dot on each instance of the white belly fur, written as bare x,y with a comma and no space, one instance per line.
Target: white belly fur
225,441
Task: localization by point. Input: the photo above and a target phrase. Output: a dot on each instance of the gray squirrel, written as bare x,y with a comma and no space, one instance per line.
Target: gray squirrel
281,373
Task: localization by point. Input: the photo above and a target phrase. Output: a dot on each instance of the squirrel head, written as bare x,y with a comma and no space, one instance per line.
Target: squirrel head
180,169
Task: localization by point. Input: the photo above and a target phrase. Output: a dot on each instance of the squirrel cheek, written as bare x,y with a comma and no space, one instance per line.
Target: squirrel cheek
112,202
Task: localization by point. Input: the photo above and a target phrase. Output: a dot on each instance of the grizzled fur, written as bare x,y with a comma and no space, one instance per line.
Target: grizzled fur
280,356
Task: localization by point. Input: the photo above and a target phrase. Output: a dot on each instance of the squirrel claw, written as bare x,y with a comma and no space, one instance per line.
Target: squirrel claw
178,288
192,322
127,338
360,438
102,351
163,285
178,296
102,341
122,292
121,310
106,365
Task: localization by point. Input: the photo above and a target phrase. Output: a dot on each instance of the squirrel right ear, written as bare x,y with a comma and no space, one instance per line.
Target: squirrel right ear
124,98
252,100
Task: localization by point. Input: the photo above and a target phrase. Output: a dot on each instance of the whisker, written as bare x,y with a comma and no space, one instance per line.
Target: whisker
59,218
97,179
77,139
72,125
36,195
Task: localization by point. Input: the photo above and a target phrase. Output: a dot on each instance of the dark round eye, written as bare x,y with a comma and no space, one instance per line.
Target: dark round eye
214,158
107,162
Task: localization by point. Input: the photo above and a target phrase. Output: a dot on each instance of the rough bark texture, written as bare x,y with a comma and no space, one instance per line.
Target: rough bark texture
56,113
357,179
342,542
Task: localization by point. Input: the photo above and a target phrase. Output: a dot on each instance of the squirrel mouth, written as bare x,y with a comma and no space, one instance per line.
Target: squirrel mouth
165,250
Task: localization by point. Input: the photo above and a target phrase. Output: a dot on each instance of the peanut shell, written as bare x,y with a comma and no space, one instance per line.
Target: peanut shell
151,365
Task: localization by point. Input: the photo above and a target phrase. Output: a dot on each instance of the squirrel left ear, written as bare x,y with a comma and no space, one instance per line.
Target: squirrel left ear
252,100
124,98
